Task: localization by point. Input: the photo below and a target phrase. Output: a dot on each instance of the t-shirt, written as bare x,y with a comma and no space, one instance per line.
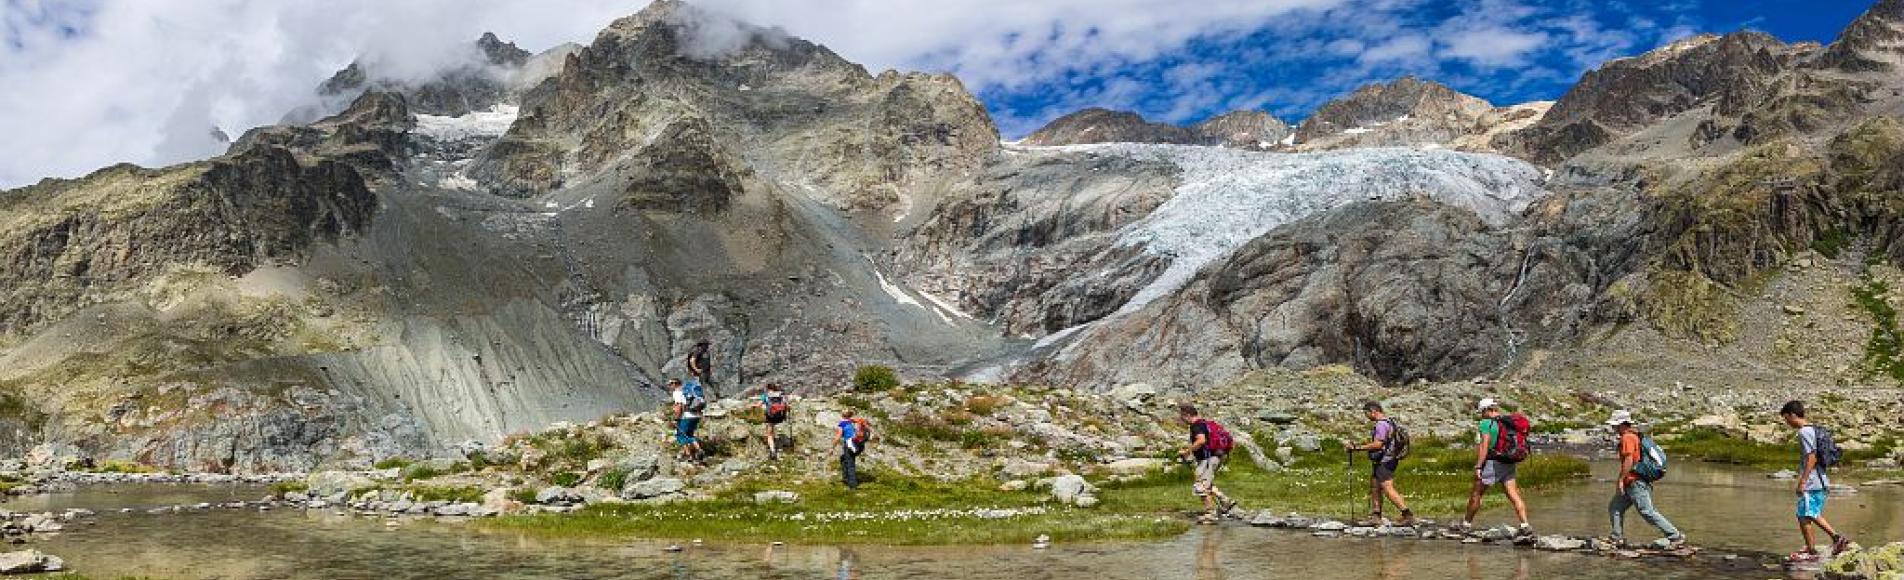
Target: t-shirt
1630,449
847,430
1382,430
681,398
697,362
1491,428
1201,428
1807,446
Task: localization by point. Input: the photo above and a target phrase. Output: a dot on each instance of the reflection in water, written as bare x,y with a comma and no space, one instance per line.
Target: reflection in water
1717,506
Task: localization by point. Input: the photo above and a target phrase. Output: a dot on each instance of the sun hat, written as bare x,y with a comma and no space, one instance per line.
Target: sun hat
1620,417
1486,403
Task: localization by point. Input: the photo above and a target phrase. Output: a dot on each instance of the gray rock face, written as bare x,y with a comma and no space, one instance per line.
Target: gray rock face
1095,125
1407,111
1070,489
479,83
28,562
1247,129
653,488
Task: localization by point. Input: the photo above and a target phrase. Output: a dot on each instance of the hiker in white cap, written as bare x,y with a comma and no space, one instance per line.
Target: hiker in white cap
1502,445
1642,463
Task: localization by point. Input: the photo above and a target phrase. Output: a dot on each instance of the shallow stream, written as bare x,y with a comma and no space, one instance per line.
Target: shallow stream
1722,508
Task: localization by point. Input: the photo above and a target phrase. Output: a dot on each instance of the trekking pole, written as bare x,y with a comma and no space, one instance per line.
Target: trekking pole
1350,471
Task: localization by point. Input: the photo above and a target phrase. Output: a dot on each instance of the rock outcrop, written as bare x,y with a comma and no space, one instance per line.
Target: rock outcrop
1408,111
1243,129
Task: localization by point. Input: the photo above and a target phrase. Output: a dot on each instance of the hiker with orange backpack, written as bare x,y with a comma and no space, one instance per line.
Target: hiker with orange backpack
1503,445
852,434
1210,443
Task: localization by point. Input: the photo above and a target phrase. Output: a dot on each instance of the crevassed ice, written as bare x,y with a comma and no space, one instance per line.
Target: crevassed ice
1229,197
488,124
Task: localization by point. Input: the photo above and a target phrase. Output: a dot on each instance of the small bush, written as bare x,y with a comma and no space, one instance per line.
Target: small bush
875,378
566,478
117,466
612,479
285,487
523,494
984,405
391,463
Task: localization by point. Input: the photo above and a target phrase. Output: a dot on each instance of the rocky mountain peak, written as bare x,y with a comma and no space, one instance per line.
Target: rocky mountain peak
1872,43
1242,129
1099,125
500,53
1408,111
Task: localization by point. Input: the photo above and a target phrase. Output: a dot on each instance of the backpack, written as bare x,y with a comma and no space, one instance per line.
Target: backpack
1397,445
862,431
777,407
1510,443
1652,464
697,398
1827,450
1219,441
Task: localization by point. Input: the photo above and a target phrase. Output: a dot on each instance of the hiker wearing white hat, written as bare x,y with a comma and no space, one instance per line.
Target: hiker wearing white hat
1502,445
1642,464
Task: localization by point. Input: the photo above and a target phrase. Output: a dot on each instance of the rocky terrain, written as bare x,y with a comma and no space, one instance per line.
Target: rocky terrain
527,239
1241,129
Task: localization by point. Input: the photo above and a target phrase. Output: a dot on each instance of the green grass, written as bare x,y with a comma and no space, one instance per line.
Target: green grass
1882,351
117,466
1436,480
1715,446
391,463
879,511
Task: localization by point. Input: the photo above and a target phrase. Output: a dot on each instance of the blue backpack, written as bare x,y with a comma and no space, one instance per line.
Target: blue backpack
1652,464
697,398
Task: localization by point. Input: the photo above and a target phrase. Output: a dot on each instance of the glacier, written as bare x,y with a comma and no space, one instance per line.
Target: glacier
1227,197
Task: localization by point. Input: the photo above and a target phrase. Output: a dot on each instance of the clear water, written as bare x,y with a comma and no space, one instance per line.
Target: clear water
1720,507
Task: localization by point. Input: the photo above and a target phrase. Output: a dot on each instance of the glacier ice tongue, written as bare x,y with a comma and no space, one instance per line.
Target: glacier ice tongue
1228,197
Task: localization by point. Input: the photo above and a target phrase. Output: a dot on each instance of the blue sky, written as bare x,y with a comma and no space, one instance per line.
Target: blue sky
89,83
1505,52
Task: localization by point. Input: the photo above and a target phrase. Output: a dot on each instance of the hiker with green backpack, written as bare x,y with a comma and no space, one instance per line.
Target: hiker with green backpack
1817,453
1502,446
1386,448
1210,443
1642,463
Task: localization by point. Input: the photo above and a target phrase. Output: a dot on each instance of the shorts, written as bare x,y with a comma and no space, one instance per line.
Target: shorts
1811,504
773,419
1385,470
684,430
1497,472
1206,475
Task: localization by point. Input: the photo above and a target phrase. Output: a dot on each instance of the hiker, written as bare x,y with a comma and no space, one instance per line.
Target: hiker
1816,453
851,434
1385,449
701,364
1503,444
1642,464
687,414
773,403
1209,443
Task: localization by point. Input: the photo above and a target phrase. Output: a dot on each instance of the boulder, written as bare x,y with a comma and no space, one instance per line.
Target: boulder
652,488
1018,468
555,495
1133,393
1559,543
639,468
1068,488
1134,466
776,496
1014,485
1882,562
1329,526
28,562
1267,520
329,483
497,501
1276,418
1086,501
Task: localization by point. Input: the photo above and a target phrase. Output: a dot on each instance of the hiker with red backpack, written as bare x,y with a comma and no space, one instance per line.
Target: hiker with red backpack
1503,445
1210,443
773,404
1817,453
1386,448
852,434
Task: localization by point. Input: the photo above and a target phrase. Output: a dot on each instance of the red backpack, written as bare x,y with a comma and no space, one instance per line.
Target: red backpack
862,430
1219,441
1510,443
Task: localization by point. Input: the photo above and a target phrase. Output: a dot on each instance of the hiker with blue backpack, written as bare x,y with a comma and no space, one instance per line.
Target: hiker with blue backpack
1210,443
1502,446
1817,453
1642,463
851,435
689,401
1386,448
774,408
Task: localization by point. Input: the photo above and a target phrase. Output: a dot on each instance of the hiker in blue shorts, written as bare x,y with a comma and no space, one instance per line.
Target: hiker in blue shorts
688,403
1814,485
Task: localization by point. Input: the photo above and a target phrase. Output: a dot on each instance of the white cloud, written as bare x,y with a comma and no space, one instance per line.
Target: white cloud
145,80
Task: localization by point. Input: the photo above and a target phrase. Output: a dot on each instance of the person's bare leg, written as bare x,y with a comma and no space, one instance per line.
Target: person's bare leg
1804,528
1514,497
1474,501
1394,496
1826,526
1375,497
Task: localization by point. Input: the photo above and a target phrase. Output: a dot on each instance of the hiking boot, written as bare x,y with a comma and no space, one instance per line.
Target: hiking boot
1840,544
1225,505
1408,518
1524,531
1207,519
1374,520
1802,556
1463,527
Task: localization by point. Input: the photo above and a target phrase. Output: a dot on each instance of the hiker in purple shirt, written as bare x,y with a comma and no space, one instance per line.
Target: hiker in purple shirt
1385,449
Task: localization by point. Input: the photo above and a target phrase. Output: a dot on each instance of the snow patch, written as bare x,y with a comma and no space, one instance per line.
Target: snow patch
488,124
943,305
458,182
1228,197
1356,130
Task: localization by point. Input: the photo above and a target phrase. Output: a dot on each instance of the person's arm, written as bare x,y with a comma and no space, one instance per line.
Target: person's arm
1804,473
1380,439
1195,444
1626,466
1480,452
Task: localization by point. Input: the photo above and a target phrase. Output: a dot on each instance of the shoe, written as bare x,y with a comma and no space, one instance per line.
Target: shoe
1225,506
1374,520
1802,556
1462,527
1840,544
1524,531
1207,519
1673,543
1408,518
